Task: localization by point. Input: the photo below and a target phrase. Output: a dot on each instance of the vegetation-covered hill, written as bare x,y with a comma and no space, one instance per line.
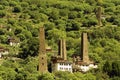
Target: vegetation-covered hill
21,19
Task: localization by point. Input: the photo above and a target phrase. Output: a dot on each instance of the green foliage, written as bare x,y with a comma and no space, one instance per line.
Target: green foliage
24,4
2,32
17,9
29,50
7,73
72,15
112,68
62,19
18,30
2,13
54,14
11,21
46,76
2,7
12,3
64,76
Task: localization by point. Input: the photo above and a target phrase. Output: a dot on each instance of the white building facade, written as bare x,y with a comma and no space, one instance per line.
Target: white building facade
62,66
85,68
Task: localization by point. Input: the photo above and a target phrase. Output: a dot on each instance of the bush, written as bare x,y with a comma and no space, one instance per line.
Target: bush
5,3
24,4
72,15
2,7
17,9
12,3
2,14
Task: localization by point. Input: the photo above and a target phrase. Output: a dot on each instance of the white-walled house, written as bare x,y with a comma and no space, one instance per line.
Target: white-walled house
82,66
3,52
13,42
58,64
85,68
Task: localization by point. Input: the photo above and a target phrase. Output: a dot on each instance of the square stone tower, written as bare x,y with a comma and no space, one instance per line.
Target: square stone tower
84,48
42,52
98,15
62,49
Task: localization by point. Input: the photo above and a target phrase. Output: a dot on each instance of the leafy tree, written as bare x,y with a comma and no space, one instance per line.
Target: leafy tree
54,14
17,9
43,17
30,49
35,32
95,57
5,3
61,75
2,14
2,7
115,68
27,34
24,4
11,21
89,76
24,16
72,15
2,32
107,67
21,37
12,3
7,73
46,76
63,12
102,76
18,30
56,34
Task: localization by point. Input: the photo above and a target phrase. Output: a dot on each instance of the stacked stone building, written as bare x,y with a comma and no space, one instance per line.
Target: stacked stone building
60,62
81,62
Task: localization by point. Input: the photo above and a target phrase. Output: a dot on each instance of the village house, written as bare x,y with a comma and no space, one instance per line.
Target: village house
3,51
60,62
13,42
81,62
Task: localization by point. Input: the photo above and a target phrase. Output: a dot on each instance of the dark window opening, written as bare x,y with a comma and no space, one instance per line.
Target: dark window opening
42,63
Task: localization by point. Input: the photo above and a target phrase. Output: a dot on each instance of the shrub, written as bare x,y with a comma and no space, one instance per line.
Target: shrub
17,9
2,14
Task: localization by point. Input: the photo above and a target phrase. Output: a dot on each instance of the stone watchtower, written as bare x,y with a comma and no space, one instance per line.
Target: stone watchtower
62,49
42,52
84,48
98,15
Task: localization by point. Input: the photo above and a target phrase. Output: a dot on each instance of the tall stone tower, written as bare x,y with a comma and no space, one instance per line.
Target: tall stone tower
84,47
62,49
42,52
98,15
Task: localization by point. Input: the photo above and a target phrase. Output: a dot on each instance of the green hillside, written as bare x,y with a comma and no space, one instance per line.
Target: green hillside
21,19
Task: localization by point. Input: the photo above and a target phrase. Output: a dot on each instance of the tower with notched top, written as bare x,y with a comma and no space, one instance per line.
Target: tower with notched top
42,52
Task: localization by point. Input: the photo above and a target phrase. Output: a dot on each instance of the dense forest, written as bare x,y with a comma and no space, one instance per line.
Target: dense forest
21,19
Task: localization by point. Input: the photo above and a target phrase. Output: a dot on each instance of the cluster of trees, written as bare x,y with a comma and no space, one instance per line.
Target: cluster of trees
27,70
67,19
112,68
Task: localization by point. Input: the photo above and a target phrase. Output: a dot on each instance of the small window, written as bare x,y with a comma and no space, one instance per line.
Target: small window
42,58
69,68
42,63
